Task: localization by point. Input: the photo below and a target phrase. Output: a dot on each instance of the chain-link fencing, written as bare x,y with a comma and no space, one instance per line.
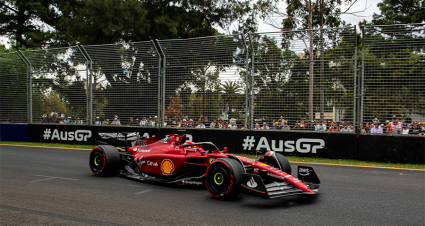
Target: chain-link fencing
246,81
58,85
204,81
393,76
302,76
124,80
13,88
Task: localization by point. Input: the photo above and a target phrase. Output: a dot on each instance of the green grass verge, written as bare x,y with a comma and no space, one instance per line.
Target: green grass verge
290,158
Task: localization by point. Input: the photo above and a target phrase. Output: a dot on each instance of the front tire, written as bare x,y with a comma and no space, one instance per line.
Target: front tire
283,161
104,160
223,178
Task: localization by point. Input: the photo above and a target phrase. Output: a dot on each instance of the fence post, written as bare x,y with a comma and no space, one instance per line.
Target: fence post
251,85
247,112
160,87
29,85
162,81
87,82
89,88
356,123
361,79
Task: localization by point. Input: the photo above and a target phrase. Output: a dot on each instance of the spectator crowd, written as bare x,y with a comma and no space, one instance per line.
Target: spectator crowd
375,127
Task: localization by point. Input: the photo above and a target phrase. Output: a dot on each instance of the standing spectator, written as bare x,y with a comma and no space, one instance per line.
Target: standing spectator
279,125
79,121
44,120
150,122
205,122
200,125
54,119
310,126
367,128
184,123
320,126
376,128
405,130
297,126
346,128
106,122
285,126
265,126
395,127
96,121
281,118
213,123
232,125
144,121
155,119
334,127
302,124
273,126
416,130
132,123
65,121
72,120
243,127
166,122
257,125
137,122
116,121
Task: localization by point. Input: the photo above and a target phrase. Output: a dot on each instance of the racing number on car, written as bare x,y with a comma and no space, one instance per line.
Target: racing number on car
143,143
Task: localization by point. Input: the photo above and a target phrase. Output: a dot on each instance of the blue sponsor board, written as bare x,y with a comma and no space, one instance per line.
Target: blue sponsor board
13,132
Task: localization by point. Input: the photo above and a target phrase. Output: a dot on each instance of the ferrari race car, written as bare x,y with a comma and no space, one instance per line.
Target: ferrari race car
170,159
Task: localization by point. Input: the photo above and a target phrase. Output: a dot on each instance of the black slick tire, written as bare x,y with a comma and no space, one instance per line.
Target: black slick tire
104,160
284,163
223,178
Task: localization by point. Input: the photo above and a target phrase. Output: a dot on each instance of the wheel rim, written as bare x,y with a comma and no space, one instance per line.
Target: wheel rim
97,161
218,178
219,181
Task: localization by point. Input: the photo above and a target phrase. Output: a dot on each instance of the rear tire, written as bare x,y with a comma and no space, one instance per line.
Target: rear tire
104,160
223,178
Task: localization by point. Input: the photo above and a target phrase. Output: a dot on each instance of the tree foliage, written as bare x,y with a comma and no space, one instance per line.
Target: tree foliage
400,12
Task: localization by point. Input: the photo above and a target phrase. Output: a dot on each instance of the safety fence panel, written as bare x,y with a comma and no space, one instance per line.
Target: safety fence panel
394,74
302,76
205,81
124,81
13,89
59,85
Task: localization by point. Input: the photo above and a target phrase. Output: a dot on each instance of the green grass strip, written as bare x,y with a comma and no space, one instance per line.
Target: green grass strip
296,159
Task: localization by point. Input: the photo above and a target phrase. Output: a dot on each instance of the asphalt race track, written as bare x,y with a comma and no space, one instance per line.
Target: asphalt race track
46,186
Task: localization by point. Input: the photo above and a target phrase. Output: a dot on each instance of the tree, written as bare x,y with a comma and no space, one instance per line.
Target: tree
174,109
230,97
307,14
400,12
20,21
53,103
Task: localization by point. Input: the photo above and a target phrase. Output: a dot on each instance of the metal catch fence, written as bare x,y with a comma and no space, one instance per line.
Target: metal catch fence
393,78
246,81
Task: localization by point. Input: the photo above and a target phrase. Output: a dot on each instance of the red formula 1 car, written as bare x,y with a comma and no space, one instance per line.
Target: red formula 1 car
170,159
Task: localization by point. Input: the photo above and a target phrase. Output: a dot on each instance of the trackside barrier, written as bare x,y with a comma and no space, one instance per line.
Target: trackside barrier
304,144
